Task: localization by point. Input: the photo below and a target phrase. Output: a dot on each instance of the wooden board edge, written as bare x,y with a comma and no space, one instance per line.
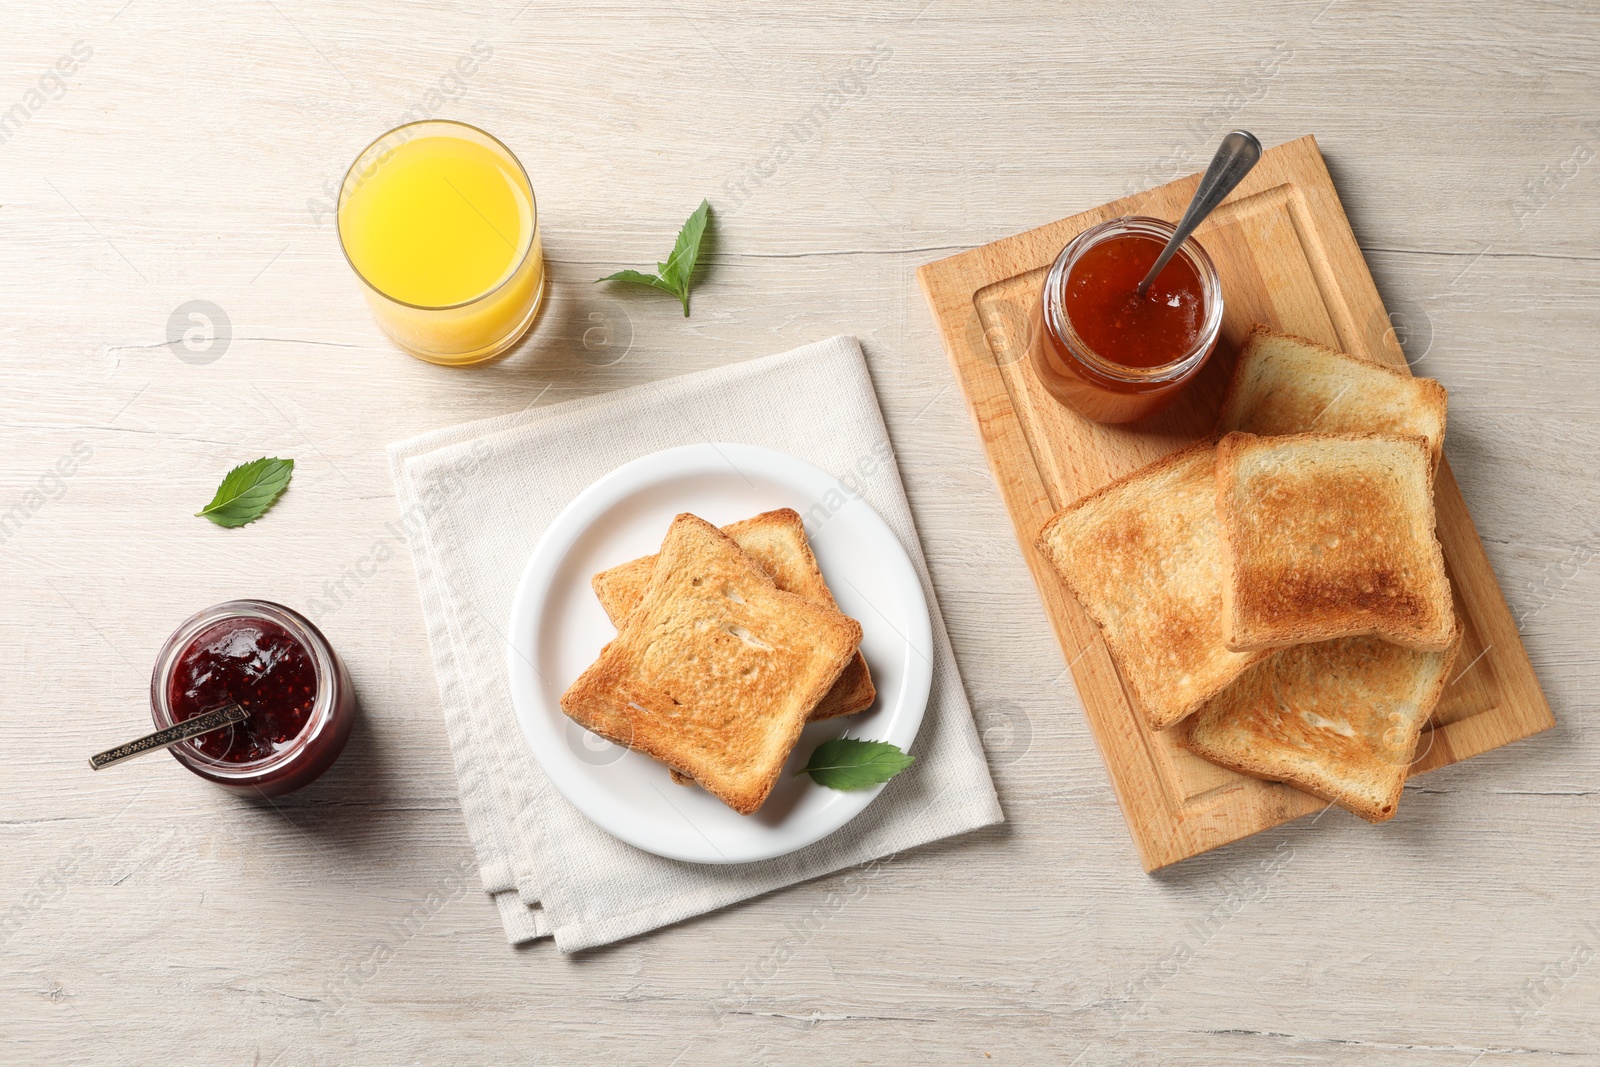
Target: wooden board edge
937,274
1382,345
1162,833
1165,834
1251,793
1131,802
1525,710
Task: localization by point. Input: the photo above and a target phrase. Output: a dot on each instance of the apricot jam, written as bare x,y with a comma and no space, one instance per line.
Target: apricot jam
1119,325
1109,353
279,667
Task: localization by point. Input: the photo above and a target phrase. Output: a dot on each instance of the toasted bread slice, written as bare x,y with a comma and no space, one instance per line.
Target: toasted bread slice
1328,535
1337,719
777,541
715,671
1286,384
1144,558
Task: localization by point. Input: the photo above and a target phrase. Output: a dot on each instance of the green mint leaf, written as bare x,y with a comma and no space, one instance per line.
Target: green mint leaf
640,278
678,270
849,763
247,491
677,273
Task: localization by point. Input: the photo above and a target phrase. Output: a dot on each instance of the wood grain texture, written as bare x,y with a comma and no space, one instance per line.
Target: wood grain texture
334,928
1287,258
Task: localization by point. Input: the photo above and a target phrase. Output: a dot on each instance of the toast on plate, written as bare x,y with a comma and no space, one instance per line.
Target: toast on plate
1143,556
1326,536
715,671
1284,384
776,540
1337,719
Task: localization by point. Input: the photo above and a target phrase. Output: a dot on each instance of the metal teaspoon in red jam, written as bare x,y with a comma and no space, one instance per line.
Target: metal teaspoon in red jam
200,724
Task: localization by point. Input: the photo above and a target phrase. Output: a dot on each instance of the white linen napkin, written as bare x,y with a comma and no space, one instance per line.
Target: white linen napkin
474,501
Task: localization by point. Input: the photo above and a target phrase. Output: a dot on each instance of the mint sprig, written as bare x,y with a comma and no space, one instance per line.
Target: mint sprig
248,491
849,763
677,274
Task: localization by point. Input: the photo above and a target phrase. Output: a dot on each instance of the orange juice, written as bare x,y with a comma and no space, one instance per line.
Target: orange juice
438,220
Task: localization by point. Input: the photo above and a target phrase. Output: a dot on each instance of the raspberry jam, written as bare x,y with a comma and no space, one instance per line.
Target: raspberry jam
273,662
1107,352
260,666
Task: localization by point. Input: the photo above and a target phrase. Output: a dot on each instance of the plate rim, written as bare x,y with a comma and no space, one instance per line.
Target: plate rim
537,579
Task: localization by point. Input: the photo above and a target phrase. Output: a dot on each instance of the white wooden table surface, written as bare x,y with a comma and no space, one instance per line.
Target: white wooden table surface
146,917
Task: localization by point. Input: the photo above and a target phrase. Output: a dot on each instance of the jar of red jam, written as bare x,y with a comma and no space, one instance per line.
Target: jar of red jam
277,665
1109,353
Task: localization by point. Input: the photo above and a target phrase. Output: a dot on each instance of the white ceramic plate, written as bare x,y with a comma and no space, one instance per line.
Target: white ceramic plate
558,628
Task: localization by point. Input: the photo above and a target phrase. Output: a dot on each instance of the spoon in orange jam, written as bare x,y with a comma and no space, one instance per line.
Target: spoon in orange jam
1238,153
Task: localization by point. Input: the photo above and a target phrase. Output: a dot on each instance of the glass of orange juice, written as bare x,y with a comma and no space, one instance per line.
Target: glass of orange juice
438,220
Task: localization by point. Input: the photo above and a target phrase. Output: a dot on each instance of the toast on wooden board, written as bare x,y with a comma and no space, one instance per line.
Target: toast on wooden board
1330,535
1143,556
776,540
715,671
1336,719
1285,384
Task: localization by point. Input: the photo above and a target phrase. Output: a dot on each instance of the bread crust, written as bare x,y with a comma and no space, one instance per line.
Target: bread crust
1195,642
776,540
715,671
1428,395
1250,727
1292,589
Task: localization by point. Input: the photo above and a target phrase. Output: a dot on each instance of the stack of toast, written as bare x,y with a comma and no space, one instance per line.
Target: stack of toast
1275,593
728,643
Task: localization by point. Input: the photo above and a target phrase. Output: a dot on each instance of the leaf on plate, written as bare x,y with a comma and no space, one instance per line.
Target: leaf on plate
248,491
849,763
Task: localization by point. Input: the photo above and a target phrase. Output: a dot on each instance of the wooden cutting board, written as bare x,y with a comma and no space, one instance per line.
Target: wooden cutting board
1284,250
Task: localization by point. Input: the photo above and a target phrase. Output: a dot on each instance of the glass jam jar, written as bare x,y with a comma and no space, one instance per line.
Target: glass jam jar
278,666
1107,352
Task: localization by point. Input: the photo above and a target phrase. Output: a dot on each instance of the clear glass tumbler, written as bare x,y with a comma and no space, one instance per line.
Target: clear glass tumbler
438,220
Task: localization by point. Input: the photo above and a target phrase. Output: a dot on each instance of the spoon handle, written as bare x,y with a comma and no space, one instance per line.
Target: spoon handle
200,724
1238,152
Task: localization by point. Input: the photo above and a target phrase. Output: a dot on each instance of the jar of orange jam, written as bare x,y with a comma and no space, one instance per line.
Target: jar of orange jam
1109,353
